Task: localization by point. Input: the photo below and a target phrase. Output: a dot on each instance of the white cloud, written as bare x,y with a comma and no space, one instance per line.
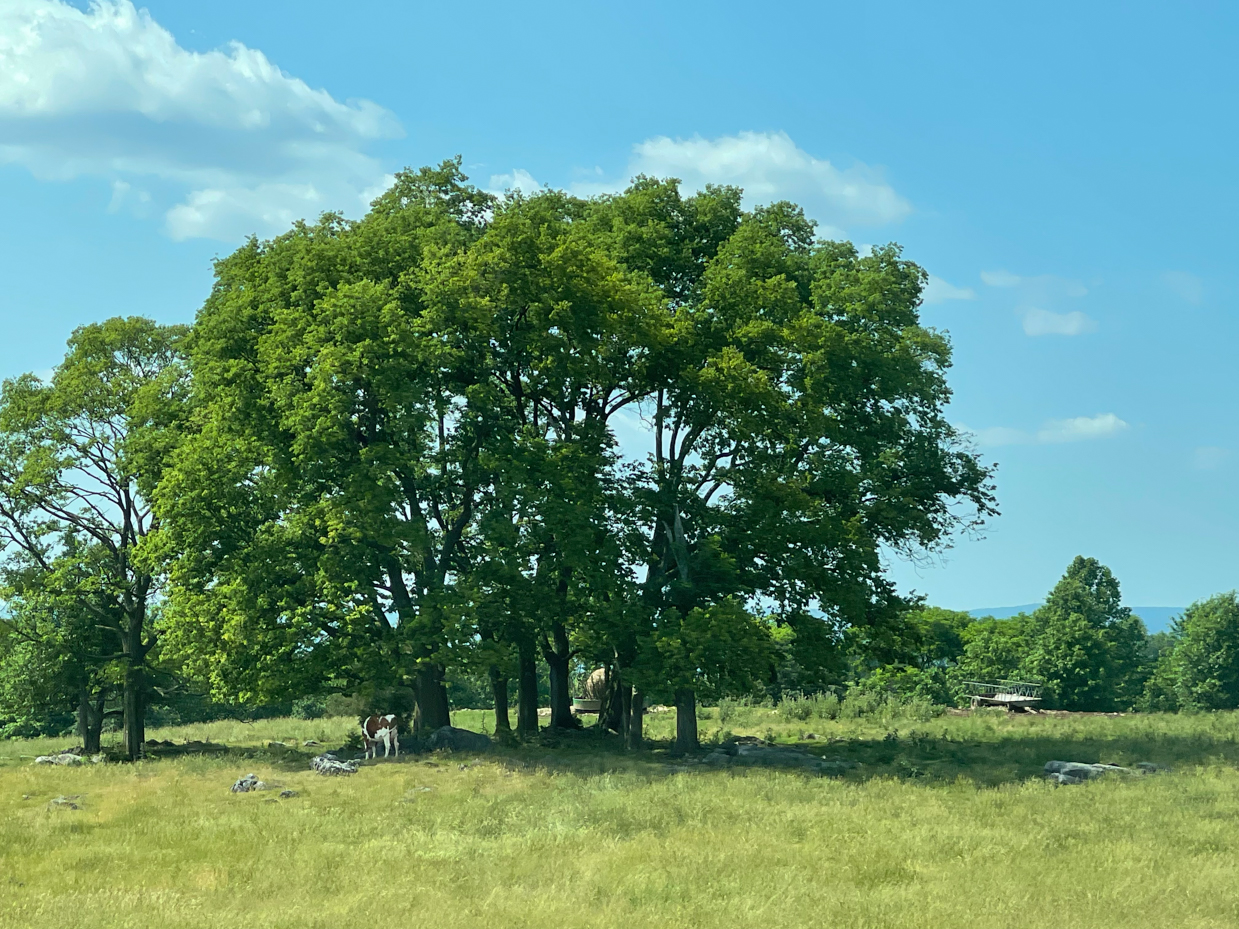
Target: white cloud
1209,457
108,92
1081,428
1032,294
1043,322
769,166
1052,432
1185,286
519,180
939,291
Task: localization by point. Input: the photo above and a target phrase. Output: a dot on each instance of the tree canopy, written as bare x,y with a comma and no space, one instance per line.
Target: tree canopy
403,455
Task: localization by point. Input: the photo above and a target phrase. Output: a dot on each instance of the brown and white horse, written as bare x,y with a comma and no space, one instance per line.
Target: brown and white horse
380,730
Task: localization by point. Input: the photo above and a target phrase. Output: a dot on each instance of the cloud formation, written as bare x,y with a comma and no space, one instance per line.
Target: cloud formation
939,291
1043,322
108,92
769,166
1053,431
1034,293
518,180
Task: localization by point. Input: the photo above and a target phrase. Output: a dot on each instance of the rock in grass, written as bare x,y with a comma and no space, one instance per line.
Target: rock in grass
64,758
287,794
450,738
1079,772
64,803
1059,778
248,783
329,764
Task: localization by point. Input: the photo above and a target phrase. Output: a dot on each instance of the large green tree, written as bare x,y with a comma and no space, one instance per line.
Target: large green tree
404,450
320,513
798,429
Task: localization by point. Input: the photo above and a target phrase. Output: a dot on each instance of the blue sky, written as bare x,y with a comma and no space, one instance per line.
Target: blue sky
1068,176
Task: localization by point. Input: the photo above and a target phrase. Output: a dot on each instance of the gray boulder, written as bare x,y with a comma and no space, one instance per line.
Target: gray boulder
1078,771
329,764
248,783
64,758
1057,778
449,738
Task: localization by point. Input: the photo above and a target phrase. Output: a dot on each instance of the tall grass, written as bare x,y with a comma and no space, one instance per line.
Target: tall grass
943,823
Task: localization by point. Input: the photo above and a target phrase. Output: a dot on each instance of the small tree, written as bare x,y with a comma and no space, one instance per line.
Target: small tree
1086,646
78,459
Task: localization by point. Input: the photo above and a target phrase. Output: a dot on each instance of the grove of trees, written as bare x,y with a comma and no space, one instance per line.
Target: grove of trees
387,456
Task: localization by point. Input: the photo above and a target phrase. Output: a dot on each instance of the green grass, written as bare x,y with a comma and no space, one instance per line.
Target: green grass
944,822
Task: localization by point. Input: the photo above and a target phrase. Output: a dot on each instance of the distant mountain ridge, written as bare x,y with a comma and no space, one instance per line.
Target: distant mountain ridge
1156,618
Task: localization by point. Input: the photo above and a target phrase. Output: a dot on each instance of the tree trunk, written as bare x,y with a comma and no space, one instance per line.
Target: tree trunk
558,655
612,714
432,710
499,690
133,699
89,721
527,689
634,734
135,709
685,721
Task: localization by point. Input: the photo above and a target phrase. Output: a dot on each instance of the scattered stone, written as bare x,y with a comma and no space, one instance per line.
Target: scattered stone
329,764
27,796
544,712
248,783
751,752
1077,772
278,746
308,742
1147,767
450,738
64,803
64,758
659,708
98,759
287,794
1057,777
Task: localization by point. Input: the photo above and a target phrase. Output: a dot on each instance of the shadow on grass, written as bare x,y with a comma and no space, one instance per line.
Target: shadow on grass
914,754
930,753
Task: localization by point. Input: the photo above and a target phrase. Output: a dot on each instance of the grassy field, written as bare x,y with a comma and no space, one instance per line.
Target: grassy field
944,822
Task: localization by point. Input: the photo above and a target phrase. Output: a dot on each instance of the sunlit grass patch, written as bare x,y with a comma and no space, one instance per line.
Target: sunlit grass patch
579,836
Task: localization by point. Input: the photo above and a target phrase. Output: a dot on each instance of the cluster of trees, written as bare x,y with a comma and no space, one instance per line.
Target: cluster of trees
1088,651
386,452
384,459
